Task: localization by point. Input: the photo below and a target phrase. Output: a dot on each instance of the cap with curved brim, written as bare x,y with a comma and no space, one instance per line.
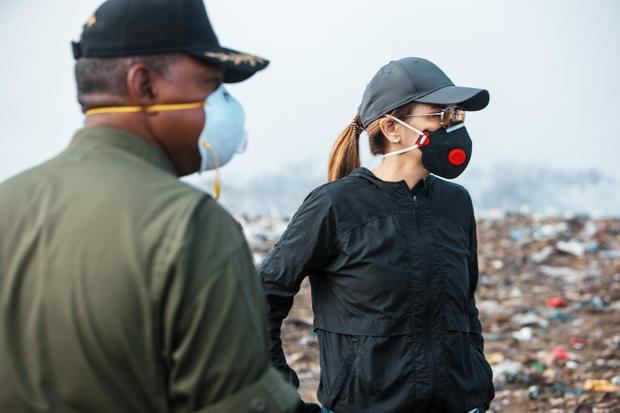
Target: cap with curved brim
238,66
468,98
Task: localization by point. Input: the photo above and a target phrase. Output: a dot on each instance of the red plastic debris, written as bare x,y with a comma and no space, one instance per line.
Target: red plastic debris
560,354
577,343
556,302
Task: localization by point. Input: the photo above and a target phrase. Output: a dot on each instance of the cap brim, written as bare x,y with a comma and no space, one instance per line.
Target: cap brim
468,98
238,66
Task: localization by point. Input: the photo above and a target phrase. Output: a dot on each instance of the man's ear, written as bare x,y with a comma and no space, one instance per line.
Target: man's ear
140,88
389,128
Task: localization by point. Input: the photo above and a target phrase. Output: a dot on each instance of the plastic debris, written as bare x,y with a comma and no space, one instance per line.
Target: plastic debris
542,255
530,319
568,274
561,317
559,388
577,343
525,334
600,386
555,302
572,364
506,372
571,247
559,353
495,358
309,340
598,303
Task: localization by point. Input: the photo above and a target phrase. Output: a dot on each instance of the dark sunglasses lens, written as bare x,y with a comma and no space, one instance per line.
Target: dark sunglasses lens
451,116
447,117
459,116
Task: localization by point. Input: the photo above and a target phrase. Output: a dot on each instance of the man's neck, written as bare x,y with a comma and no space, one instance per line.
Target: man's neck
122,122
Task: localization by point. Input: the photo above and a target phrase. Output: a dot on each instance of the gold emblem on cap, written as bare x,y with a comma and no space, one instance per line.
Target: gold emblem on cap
236,58
91,21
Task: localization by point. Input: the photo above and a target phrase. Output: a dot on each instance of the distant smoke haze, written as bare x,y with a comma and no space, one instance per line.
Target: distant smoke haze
507,187
551,68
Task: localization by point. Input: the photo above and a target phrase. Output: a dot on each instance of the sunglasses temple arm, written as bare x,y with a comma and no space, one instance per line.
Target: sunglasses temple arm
424,114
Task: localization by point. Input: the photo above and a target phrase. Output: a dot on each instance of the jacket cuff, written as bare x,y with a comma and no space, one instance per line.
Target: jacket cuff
269,394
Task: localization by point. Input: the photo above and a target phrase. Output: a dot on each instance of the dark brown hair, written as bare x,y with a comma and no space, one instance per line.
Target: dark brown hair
345,155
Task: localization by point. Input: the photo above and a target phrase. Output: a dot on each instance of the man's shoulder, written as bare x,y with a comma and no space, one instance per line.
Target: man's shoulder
24,181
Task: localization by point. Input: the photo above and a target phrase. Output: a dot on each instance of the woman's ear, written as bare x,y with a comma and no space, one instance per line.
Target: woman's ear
389,129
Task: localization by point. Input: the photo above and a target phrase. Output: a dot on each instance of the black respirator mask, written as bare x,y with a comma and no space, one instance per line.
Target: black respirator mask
445,152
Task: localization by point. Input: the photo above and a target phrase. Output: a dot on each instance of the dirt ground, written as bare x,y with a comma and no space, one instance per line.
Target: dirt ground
549,302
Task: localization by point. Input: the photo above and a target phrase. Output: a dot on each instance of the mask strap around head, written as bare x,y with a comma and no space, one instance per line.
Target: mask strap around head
419,141
164,107
217,183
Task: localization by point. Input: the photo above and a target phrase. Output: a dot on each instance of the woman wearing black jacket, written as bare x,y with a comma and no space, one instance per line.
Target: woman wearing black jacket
391,256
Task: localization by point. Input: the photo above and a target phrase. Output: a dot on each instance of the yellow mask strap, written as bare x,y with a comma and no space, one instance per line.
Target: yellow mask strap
217,184
164,107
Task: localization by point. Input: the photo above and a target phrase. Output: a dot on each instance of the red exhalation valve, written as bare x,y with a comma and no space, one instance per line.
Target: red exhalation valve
457,157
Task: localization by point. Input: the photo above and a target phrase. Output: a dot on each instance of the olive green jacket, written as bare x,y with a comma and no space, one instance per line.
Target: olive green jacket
123,289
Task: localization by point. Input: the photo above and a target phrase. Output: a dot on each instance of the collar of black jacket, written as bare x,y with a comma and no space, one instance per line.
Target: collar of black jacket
422,187
112,137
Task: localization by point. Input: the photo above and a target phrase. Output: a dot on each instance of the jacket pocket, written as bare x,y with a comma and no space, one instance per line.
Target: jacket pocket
482,362
344,372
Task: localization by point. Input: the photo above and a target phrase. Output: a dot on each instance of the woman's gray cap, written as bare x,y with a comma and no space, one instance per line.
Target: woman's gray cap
413,79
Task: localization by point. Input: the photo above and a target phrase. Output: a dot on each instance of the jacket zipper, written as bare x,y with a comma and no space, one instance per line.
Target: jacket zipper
427,273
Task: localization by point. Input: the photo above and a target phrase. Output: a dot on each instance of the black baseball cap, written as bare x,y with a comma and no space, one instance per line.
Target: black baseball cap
413,79
121,28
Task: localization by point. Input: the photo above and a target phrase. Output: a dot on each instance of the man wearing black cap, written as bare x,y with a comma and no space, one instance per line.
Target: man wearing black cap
121,288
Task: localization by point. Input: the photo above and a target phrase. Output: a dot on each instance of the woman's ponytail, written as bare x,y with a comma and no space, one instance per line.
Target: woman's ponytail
345,154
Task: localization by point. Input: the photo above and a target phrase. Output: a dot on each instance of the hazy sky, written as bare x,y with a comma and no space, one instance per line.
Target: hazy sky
551,67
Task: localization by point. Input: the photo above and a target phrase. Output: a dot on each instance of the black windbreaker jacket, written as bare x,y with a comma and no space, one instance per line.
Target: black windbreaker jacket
393,273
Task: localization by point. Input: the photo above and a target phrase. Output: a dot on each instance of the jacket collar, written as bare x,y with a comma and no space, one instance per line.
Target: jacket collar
421,187
106,136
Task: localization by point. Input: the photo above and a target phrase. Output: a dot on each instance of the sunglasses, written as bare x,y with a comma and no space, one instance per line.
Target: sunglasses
448,116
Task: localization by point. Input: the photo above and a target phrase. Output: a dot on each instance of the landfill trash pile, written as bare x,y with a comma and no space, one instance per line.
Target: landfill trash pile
549,302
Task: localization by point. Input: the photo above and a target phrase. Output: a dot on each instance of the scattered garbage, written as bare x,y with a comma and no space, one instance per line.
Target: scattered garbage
506,372
571,247
571,364
548,298
555,302
560,354
309,340
525,334
538,366
568,274
531,318
495,358
577,343
601,386
598,303
561,316
542,255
